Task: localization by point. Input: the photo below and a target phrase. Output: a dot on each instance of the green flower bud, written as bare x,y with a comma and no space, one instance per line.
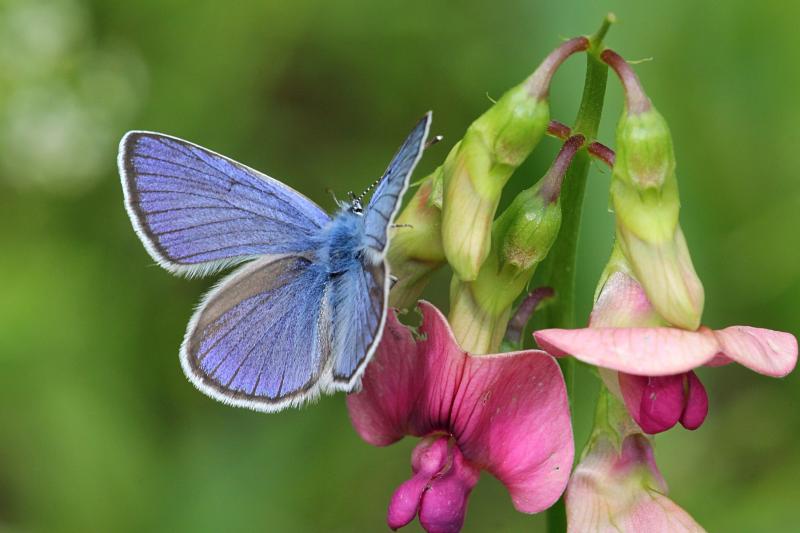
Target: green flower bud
521,238
416,251
645,157
493,147
667,275
644,196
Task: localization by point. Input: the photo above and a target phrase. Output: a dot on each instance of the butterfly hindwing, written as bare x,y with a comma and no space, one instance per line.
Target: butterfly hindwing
261,339
197,211
359,313
385,201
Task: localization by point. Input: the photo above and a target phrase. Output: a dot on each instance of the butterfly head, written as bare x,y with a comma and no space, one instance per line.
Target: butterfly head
355,204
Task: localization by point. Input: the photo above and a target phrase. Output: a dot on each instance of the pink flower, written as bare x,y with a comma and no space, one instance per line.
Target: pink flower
621,489
655,363
505,413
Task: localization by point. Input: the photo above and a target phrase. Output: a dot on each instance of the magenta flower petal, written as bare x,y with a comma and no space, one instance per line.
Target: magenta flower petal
380,412
694,414
444,503
428,459
511,417
771,353
507,413
656,403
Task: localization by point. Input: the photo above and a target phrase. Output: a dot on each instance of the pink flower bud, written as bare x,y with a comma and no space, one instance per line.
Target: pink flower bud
621,489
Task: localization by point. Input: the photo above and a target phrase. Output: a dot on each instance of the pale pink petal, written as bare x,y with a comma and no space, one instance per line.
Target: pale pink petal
655,513
429,458
640,351
623,491
772,353
511,416
622,302
719,360
655,403
665,351
444,503
696,410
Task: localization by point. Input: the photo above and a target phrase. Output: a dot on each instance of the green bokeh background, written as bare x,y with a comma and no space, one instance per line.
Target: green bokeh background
99,430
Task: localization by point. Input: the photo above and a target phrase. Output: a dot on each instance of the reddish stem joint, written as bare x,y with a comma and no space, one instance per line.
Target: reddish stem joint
595,149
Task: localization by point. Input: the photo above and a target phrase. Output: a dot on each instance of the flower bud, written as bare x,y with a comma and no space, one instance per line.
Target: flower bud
645,157
493,147
416,250
644,195
617,485
521,238
667,275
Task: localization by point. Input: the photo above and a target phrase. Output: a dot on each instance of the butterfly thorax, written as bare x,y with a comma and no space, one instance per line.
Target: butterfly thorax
341,242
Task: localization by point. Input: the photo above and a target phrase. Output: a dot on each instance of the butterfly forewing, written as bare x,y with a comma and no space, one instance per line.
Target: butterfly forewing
197,211
385,201
261,339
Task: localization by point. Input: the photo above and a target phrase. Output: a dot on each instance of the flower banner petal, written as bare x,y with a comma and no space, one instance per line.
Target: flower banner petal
512,417
639,351
768,352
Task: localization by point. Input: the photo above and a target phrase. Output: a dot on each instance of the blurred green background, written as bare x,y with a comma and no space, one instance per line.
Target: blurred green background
100,431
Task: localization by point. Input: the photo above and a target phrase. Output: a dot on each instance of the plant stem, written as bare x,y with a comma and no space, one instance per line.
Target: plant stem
561,260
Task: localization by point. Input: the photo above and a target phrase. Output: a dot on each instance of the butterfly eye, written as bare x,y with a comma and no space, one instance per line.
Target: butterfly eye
355,203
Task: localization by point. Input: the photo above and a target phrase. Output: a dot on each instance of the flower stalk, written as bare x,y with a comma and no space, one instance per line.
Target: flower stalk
560,264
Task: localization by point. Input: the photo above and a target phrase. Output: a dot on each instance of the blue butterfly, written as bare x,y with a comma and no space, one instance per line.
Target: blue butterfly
302,318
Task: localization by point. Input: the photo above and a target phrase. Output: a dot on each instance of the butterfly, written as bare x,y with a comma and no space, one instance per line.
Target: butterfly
304,314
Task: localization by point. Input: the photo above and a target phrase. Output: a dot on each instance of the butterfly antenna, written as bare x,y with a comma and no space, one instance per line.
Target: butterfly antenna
333,194
433,140
368,189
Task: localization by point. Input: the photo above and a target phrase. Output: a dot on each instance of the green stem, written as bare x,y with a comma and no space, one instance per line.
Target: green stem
561,260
